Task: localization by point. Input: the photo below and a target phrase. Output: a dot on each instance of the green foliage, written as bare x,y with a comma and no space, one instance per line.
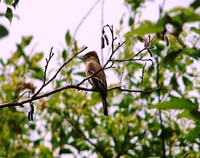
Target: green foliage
9,14
3,31
176,103
13,3
71,122
68,38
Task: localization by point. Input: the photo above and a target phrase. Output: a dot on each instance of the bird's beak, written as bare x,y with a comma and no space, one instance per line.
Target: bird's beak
81,58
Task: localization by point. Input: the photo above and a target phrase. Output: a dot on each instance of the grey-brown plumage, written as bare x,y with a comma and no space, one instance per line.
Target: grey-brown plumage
98,81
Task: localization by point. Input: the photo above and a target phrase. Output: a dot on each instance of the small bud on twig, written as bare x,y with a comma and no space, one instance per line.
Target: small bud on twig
167,40
106,38
102,43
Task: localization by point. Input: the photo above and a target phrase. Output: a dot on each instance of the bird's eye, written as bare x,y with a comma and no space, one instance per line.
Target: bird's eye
88,56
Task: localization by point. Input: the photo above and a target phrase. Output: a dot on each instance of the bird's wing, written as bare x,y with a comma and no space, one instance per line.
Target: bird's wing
98,83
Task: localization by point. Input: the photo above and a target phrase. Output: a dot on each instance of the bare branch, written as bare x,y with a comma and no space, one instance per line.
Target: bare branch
83,19
121,76
187,153
136,91
113,50
77,86
51,54
11,104
65,63
142,77
28,91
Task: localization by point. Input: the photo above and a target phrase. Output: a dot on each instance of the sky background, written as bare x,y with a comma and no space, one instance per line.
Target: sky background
48,21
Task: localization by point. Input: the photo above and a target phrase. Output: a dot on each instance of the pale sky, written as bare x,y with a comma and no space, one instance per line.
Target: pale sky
48,20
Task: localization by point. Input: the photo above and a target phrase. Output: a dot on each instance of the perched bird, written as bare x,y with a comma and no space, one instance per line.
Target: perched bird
98,81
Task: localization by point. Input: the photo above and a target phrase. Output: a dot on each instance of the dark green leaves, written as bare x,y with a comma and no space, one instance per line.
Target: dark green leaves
196,30
3,31
170,58
193,134
65,151
9,14
195,53
184,15
176,103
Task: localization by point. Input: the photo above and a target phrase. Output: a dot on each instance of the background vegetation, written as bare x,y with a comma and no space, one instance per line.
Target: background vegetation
153,109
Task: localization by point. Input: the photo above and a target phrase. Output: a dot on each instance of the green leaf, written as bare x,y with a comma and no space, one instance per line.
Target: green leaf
26,41
8,2
38,72
195,133
131,21
186,14
170,57
9,14
7,87
174,44
194,29
195,53
37,57
190,114
15,3
37,142
82,74
64,55
54,141
145,29
187,82
65,151
20,51
176,103
44,151
195,4
68,38
3,31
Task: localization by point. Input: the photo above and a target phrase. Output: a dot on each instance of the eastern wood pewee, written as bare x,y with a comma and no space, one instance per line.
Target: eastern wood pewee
98,81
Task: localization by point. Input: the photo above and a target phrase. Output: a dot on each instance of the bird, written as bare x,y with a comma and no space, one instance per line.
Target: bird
98,81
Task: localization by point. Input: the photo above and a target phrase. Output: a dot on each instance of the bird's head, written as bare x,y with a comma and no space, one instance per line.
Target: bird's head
90,57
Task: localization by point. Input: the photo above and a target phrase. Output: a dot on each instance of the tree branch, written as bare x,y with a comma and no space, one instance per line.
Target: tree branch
77,86
48,60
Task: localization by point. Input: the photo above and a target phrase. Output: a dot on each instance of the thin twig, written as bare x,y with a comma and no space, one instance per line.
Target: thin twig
46,83
142,77
83,19
146,47
51,54
133,90
121,76
113,49
187,153
11,104
130,59
28,91
102,21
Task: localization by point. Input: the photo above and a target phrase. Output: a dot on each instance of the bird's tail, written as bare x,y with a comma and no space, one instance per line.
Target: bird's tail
105,106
